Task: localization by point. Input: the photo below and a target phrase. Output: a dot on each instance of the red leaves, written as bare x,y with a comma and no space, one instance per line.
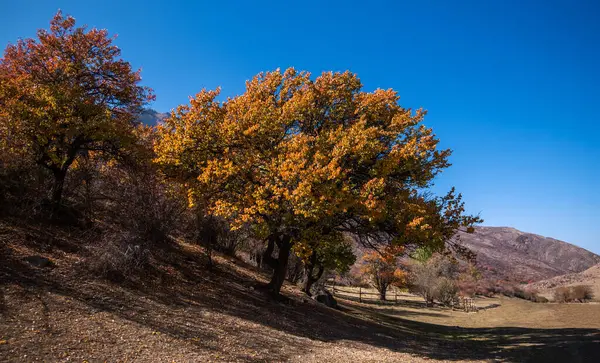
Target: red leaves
69,91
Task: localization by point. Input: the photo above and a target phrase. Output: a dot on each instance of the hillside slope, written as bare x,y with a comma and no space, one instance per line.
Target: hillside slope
507,253
590,277
178,311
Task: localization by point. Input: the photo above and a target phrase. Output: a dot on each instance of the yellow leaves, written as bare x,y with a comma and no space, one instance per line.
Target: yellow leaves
303,250
217,170
191,198
374,187
252,130
415,222
295,149
400,278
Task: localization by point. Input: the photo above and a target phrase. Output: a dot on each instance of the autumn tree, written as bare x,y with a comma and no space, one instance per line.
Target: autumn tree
383,270
293,152
320,252
66,93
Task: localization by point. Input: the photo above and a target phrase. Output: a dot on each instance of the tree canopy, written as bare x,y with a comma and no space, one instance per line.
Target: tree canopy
65,93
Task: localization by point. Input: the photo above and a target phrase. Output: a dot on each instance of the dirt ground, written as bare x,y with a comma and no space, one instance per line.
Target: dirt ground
181,312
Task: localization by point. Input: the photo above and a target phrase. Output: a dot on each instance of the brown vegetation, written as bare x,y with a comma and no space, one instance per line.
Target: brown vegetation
589,277
435,279
578,293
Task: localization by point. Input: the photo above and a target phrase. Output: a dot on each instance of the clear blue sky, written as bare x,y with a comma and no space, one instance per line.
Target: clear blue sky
511,86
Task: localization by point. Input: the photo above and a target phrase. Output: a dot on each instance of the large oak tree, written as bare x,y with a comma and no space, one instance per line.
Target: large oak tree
294,153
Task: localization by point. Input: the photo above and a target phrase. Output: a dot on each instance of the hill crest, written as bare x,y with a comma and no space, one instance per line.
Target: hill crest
510,254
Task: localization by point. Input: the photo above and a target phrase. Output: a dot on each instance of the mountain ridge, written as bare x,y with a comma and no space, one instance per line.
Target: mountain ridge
151,117
507,253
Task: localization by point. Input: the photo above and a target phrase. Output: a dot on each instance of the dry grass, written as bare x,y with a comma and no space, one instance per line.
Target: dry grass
497,312
180,312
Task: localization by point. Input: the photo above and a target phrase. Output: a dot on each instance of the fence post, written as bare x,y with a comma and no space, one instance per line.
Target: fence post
396,295
333,288
359,294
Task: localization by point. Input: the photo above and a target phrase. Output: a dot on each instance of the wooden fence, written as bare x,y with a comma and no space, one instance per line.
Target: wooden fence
362,295
466,304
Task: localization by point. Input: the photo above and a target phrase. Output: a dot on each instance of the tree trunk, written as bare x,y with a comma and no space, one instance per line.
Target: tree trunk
58,187
311,279
382,292
279,264
309,268
60,170
207,237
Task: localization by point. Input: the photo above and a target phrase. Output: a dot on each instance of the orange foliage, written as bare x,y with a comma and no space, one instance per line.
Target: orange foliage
65,93
297,150
383,270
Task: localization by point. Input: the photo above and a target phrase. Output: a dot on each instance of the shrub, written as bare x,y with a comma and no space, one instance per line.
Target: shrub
468,288
521,294
142,211
139,200
579,293
118,256
230,242
23,188
531,295
435,279
485,288
562,294
446,291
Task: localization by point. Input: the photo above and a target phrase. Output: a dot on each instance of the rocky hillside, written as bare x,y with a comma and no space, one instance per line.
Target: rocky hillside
507,253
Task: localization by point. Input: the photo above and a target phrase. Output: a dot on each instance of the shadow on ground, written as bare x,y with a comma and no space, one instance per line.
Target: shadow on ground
176,302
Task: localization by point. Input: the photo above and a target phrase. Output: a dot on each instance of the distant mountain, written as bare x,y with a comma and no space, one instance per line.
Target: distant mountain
507,253
152,117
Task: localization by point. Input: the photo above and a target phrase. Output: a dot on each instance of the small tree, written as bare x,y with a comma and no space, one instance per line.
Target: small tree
446,290
65,94
382,269
434,279
562,294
